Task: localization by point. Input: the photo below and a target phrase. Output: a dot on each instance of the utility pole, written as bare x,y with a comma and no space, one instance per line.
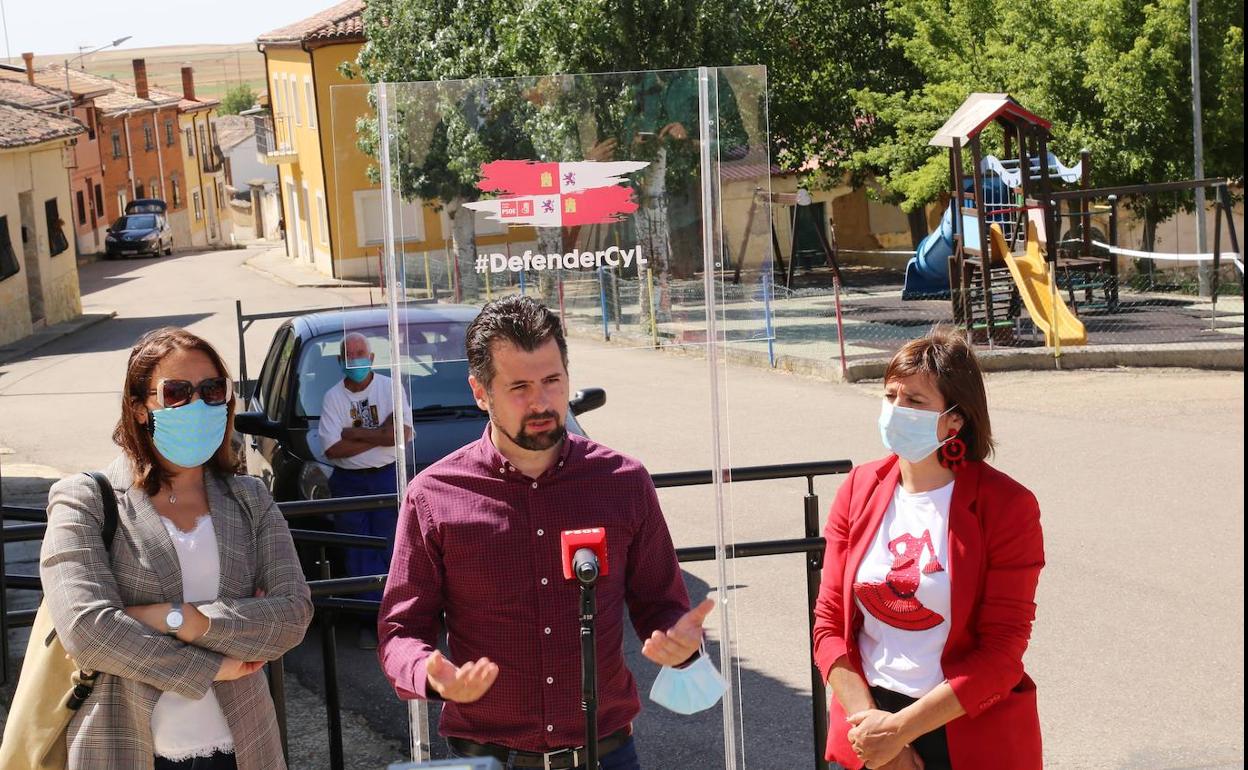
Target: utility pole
1204,270
4,19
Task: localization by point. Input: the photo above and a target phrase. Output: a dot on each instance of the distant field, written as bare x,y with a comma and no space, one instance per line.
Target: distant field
217,67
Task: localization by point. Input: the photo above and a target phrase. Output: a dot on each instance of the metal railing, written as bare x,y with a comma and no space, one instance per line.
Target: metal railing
330,603
212,160
273,135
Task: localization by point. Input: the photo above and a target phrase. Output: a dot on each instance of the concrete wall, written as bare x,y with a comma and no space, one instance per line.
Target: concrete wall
245,166
39,170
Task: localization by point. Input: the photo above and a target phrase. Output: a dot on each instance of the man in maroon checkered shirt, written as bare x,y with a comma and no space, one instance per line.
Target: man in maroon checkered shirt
477,555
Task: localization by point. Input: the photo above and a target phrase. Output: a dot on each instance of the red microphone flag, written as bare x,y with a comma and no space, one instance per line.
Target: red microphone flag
573,540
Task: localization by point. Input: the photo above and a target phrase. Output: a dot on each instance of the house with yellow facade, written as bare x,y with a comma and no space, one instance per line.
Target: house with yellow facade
332,211
208,221
315,162
38,252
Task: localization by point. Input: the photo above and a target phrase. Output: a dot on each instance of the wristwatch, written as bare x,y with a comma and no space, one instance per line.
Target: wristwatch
174,618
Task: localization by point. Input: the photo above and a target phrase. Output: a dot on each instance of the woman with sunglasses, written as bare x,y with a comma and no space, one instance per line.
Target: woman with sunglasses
929,583
200,587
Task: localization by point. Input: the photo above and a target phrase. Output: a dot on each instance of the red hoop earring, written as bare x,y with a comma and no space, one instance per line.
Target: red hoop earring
952,453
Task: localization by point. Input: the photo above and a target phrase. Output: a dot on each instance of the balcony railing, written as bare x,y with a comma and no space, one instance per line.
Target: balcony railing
275,141
213,160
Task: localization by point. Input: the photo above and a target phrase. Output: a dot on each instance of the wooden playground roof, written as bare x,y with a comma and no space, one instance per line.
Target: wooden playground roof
977,112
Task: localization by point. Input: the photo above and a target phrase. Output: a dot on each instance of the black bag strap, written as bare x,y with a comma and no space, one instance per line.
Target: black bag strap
108,498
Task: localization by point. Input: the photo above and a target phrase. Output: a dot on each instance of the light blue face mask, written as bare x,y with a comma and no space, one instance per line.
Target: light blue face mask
358,369
189,435
910,433
691,689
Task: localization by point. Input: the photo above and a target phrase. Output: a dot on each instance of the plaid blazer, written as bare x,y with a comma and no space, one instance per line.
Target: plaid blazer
86,589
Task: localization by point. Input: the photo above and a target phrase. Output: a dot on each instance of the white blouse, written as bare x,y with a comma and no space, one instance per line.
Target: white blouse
183,728
905,595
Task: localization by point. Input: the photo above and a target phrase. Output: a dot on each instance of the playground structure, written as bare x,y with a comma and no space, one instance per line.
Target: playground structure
1006,236
927,272
1001,192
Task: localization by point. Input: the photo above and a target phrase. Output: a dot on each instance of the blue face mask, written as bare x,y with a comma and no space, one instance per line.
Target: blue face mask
910,433
691,689
189,435
358,369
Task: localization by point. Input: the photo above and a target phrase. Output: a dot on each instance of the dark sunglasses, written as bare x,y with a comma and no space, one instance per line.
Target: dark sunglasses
214,391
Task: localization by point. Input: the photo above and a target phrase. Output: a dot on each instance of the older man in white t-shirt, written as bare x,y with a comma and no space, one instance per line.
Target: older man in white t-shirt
357,433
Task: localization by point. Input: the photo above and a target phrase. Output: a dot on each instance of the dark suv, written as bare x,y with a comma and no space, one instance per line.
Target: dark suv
143,230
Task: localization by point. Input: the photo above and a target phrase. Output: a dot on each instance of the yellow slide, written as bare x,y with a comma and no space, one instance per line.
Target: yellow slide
1048,312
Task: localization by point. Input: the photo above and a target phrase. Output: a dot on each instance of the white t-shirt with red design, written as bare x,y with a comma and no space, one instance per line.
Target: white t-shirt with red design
903,590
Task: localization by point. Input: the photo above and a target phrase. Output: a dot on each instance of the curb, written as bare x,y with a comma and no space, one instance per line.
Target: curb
1216,356
26,345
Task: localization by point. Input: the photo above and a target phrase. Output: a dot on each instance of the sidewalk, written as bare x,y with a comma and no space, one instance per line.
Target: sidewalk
31,342
274,263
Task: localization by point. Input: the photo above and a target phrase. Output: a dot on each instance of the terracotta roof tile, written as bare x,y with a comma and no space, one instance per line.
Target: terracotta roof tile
342,22
82,84
24,126
233,130
21,93
190,105
115,95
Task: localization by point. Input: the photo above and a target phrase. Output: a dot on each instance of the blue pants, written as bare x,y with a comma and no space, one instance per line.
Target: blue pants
380,523
623,758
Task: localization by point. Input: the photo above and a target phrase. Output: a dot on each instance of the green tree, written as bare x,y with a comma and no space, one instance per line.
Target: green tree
237,99
412,41
818,54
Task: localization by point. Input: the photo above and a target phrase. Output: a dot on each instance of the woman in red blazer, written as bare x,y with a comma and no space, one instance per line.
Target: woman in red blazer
929,581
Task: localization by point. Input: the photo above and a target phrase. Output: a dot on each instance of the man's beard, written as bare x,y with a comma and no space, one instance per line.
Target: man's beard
535,442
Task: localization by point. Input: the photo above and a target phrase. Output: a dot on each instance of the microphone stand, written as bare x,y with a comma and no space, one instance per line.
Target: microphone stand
589,665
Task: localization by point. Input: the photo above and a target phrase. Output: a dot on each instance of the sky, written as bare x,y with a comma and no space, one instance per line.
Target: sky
61,26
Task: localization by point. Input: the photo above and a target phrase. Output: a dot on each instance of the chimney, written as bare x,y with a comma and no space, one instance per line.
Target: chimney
140,78
30,67
188,83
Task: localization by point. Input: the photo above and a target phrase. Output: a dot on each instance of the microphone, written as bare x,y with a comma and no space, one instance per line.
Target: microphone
584,554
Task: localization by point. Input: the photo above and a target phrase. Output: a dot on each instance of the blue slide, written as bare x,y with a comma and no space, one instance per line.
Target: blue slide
927,273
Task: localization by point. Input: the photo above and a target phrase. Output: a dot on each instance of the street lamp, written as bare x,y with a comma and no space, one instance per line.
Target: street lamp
68,92
84,53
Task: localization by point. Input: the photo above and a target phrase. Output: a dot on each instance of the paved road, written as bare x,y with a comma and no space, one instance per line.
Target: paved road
1138,647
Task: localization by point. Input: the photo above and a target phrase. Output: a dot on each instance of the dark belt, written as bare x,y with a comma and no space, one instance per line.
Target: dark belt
551,760
369,471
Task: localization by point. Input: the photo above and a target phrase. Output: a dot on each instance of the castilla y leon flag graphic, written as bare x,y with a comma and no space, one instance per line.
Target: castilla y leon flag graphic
557,194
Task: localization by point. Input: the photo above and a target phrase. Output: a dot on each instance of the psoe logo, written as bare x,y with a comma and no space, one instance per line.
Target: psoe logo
557,194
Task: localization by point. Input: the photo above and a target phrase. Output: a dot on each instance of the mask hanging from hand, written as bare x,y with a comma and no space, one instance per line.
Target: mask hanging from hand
189,435
910,433
691,689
